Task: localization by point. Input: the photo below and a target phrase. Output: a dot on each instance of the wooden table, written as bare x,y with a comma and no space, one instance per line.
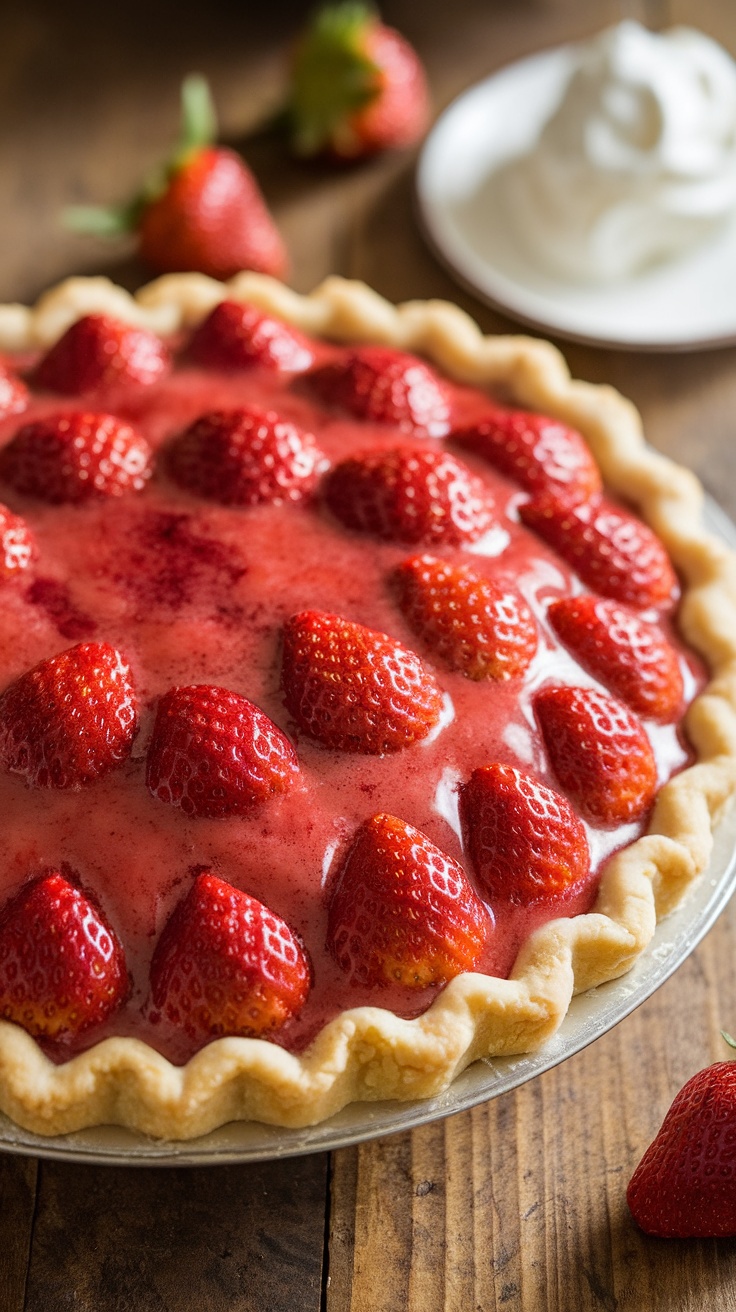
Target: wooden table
516,1205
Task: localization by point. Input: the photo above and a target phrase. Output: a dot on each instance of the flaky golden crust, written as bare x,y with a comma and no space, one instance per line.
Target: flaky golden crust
369,1053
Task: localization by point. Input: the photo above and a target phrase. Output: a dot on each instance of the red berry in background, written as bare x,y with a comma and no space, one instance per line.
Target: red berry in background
16,544
599,752
539,453
357,86
612,551
62,968
632,658
99,352
70,719
204,212
685,1184
525,841
474,624
409,494
77,456
13,393
384,386
237,336
402,911
353,689
246,457
213,753
226,964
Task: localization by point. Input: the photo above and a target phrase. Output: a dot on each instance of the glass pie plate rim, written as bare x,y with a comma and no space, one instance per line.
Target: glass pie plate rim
591,1015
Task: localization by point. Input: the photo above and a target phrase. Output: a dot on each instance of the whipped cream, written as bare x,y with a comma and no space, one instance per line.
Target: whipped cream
638,162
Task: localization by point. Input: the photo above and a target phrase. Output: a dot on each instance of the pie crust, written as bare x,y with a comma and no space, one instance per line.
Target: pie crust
369,1053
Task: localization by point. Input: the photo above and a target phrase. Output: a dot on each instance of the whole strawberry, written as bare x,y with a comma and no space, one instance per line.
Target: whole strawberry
357,86
237,336
202,212
402,911
62,968
226,964
539,453
70,719
213,753
685,1184
384,386
16,544
76,456
98,352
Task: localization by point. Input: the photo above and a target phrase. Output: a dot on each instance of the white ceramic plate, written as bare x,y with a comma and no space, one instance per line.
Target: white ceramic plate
689,304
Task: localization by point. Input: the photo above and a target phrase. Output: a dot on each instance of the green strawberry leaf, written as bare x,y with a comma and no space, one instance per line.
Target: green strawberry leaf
332,76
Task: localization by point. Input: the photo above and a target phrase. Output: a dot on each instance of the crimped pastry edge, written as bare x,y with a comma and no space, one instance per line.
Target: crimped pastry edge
369,1053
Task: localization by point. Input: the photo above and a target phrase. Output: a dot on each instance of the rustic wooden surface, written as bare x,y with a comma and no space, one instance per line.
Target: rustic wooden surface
517,1205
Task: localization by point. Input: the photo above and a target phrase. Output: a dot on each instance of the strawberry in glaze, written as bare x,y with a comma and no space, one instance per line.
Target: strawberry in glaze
246,457
239,336
632,658
13,393
613,552
472,623
402,911
76,456
354,689
599,752
16,544
525,841
226,964
62,968
409,494
385,386
215,754
101,352
539,453
71,719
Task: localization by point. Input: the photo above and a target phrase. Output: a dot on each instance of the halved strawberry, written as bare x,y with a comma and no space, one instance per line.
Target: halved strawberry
354,689
633,658
215,754
16,544
13,393
611,551
599,752
98,351
472,623
62,967
76,457
385,386
70,719
539,453
226,964
235,336
525,841
409,494
402,911
245,457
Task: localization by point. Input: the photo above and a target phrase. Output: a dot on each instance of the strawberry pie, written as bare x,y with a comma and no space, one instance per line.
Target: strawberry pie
365,689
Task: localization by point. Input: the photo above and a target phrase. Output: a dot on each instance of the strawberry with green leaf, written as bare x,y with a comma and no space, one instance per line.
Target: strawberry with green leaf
202,211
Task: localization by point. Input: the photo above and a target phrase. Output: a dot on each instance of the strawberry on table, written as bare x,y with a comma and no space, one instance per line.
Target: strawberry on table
202,212
246,457
474,624
99,352
685,1184
539,453
213,753
525,841
70,719
630,656
13,393
402,911
16,544
76,456
599,752
226,964
613,552
385,386
357,86
410,494
354,689
237,336
62,968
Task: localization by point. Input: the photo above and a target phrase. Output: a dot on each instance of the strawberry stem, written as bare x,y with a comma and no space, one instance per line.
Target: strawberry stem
332,75
731,1042
198,117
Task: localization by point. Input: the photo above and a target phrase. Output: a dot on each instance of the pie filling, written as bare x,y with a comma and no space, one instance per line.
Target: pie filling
192,591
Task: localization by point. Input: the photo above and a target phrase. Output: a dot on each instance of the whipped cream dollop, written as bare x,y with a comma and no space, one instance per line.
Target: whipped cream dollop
638,162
